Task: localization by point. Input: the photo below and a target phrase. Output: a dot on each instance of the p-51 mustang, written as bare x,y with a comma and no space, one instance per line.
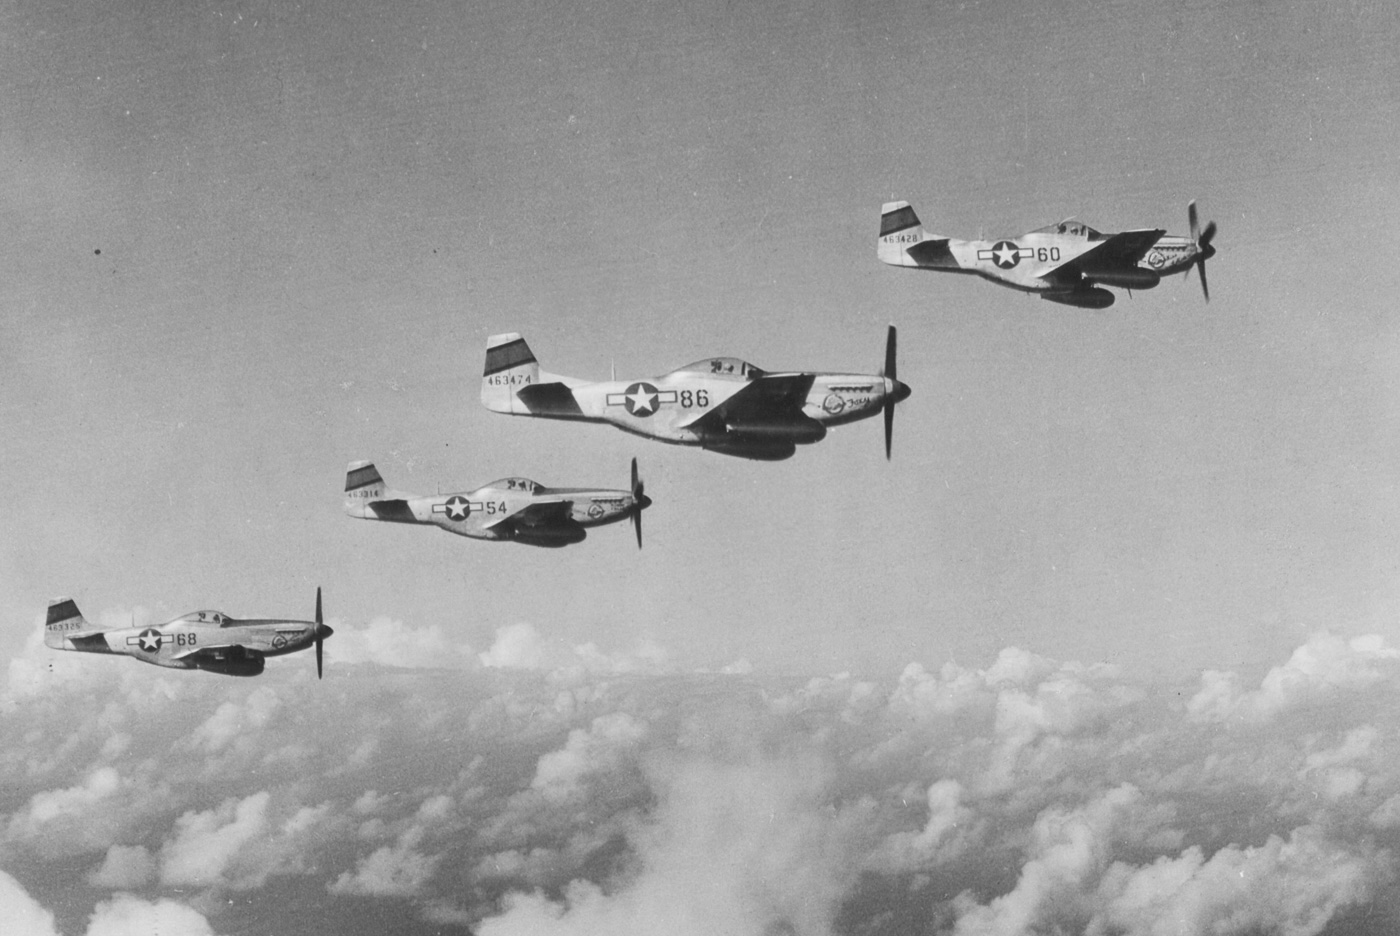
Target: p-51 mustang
510,509
206,640
1067,262
719,403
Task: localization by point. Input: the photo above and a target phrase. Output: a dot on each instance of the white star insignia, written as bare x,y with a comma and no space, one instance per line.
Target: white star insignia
642,401
1006,256
150,640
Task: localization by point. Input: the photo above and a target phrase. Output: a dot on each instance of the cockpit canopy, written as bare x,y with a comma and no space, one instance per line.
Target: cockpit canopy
1071,228
204,617
517,484
723,367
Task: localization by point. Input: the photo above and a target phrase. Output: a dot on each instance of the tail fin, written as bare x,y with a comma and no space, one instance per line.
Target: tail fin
904,242
64,619
510,366
369,498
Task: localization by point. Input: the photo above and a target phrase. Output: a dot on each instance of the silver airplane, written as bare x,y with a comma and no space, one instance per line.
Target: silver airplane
206,640
721,403
509,509
1069,262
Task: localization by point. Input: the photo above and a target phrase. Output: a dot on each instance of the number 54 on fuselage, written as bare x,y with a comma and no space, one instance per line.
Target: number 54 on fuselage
719,403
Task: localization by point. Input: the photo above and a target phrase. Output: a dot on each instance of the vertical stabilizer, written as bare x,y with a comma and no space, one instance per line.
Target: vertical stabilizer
510,367
904,242
64,619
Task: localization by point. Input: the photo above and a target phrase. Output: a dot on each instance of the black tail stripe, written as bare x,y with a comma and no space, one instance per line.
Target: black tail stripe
898,220
362,477
506,356
63,611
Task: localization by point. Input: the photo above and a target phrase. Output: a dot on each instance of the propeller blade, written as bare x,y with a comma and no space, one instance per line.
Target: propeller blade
1207,235
639,502
1194,221
320,632
889,373
889,370
889,425
1201,267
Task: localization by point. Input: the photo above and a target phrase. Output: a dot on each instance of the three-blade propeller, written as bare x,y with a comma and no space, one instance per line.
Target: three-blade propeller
321,632
640,502
895,392
1202,239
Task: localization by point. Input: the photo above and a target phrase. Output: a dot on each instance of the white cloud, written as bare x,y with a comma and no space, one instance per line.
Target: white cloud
391,642
1325,664
397,870
22,913
127,915
206,843
520,646
560,774
232,720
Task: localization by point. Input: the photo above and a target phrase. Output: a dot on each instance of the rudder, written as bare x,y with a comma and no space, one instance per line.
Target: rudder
510,366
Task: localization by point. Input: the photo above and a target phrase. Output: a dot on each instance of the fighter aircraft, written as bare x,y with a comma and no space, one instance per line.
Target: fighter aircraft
719,403
1067,262
206,640
509,509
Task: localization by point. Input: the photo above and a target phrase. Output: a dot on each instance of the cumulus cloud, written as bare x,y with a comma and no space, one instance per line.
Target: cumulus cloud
391,642
22,913
205,843
125,915
562,789
1325,664
520,646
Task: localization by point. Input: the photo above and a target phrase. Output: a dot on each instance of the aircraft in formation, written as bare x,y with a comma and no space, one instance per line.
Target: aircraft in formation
206,640
509,509
1067,262
720,403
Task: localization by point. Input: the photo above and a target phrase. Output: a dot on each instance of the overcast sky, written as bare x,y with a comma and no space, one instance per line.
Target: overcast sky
246,244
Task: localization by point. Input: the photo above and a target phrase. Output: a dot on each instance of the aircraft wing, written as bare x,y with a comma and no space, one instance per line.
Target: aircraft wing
1124,249
762,400
537,514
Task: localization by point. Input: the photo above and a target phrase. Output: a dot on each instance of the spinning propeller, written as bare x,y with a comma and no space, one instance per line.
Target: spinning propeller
1202,239
896,392
321,632
640,502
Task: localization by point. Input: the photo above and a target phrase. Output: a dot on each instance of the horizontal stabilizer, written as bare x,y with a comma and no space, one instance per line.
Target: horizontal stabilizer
549,399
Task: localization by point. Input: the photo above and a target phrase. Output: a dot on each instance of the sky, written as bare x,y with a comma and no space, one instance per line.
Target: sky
1116,621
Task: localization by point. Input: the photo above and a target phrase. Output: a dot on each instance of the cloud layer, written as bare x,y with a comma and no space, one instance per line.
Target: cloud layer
533,788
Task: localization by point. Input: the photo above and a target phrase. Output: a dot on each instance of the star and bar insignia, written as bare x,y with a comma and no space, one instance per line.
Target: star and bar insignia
641,398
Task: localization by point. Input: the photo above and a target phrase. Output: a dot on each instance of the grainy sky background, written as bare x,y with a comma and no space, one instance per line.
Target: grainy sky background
248,243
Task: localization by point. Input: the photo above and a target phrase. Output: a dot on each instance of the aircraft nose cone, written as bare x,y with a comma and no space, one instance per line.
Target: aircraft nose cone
901,391
643,502
323,631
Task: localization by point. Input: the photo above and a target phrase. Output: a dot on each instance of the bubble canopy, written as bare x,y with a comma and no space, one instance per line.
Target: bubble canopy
723,367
